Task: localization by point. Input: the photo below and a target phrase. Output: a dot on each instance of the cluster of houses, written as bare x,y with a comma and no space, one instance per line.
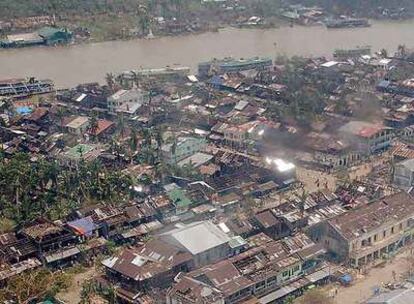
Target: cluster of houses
230,220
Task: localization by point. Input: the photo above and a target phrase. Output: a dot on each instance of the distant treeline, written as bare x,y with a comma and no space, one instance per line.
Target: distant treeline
24,8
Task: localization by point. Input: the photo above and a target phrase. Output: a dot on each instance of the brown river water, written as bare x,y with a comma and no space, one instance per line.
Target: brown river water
75,64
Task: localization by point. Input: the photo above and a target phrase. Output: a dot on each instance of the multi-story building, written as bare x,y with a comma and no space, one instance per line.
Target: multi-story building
182,148
367,138
78,126
370,232
157,262
257,272
126,101
331,151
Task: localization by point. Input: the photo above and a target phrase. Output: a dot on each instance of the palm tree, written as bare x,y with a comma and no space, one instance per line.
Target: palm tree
80,150
384,53
120,79
144,20
110,81
402,50
135,78
303,198
60,114
93,126
7,104
133,142
178,5
174,149
121,124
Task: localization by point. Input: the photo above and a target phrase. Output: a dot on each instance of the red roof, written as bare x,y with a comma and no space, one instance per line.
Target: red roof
38,114
103,125
369,131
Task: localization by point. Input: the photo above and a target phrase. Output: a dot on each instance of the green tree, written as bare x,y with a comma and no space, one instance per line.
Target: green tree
110,81
93,126
33,286
61,114
121,126
144,20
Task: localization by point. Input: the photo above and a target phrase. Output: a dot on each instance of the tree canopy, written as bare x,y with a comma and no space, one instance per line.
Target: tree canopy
29,188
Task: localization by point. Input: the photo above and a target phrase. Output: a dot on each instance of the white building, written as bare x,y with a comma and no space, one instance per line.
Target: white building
78,126
204,240
184,147
127,101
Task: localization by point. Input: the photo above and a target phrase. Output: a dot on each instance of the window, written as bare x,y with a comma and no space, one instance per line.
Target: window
260,285
401,226
285,273
272,280
384,234
375,238
392,230
296,268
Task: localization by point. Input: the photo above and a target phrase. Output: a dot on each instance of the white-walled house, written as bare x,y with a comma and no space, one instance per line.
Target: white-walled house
127,101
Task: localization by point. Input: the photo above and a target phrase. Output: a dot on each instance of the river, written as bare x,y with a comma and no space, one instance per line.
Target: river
72,65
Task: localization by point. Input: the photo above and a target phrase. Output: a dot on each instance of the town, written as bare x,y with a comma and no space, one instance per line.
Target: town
253,180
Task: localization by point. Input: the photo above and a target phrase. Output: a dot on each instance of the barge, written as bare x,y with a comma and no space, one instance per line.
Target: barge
347,23
19,88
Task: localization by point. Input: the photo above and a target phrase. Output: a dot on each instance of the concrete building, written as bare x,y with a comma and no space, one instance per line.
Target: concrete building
331,151
158,261
151,265
127,101
78,126
81,152
182,148
371,232
255,272
203,240
404,174
367,138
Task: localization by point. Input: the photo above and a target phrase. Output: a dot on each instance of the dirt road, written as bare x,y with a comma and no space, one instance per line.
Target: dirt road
72,295
363,288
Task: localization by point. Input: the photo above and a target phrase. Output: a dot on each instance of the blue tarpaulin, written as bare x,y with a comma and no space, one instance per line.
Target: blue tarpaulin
24,110
345,279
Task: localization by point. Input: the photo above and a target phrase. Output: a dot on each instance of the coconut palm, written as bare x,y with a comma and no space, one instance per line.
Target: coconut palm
110,81
144,20
93,126
60,114
121,124
402,50
133,142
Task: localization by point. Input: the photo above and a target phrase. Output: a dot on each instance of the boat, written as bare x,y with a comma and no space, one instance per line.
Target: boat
18,88
347,23
352,53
